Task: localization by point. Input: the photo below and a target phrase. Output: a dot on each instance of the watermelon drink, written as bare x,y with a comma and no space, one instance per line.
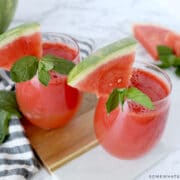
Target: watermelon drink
54,105
136,130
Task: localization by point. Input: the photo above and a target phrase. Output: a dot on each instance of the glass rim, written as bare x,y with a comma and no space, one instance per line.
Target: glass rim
69,37
164,73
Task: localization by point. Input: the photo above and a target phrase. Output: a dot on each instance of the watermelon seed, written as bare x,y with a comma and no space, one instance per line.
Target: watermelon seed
110,84
55,76
119,80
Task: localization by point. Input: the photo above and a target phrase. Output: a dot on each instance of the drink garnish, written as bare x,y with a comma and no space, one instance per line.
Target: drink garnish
27,67
168,59
119,96
24,69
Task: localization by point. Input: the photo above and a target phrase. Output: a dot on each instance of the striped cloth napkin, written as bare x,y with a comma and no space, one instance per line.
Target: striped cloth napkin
17,161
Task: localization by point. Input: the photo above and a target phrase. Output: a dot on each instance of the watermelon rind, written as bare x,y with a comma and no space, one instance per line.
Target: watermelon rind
7,11
20,31
100,57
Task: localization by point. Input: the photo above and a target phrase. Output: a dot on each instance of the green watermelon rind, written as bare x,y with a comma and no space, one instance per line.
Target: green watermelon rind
102,56
20,31
7,11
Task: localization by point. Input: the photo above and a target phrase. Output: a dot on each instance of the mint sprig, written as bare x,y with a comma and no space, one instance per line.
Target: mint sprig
8,102
24,69
43,71
5,118
61,65
115,98
27,67
177,71
8,108
168,59
119,96
44,77
164,50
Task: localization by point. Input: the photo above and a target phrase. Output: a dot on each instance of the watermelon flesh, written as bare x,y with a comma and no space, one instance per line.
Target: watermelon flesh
115,74
24,46
24,40
108,68
170,39
173,41
150,36
177,48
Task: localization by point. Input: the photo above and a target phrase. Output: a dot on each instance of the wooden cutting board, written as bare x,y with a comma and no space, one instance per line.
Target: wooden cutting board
59,146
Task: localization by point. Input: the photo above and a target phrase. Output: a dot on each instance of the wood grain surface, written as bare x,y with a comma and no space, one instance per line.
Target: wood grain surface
59,146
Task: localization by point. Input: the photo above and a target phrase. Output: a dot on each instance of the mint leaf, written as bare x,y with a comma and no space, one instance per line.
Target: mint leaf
43,71
61,65
4,124
177,71
8,108
45,65
24,69
44,77
164,50
176,62
166,61
139,97
8,102
118,96
165,56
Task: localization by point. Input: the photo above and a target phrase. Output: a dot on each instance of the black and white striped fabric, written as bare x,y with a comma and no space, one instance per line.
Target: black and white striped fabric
86,46
17,161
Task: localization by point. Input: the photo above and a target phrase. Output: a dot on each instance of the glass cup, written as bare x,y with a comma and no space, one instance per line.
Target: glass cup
133,132
54,105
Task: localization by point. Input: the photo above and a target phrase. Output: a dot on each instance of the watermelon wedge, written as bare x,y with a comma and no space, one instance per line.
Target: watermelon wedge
177,48
150,36
173,40
18,42
108,68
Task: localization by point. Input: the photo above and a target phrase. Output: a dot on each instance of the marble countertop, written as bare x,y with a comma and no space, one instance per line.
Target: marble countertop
105,21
